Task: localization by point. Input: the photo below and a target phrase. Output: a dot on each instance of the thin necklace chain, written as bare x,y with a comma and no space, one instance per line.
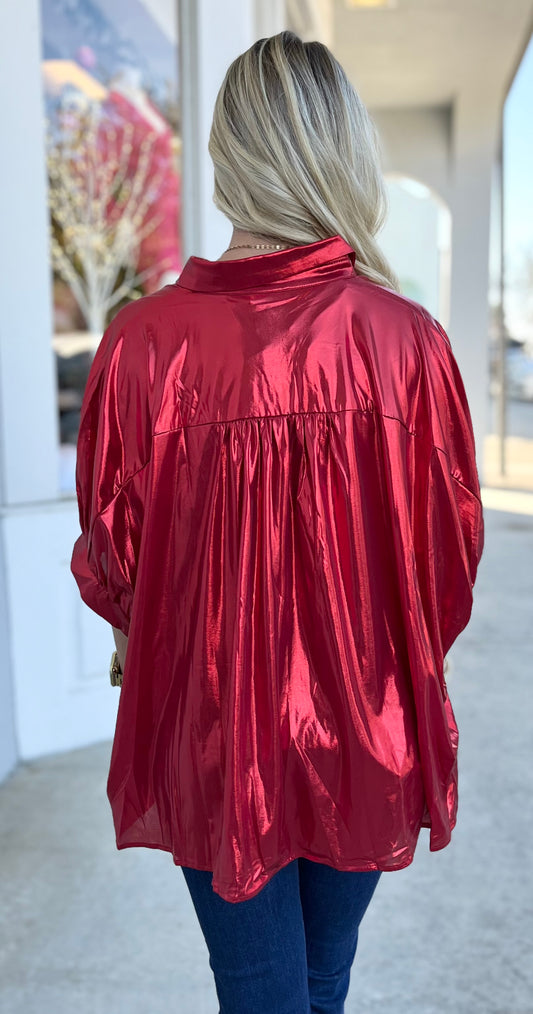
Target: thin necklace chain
257,246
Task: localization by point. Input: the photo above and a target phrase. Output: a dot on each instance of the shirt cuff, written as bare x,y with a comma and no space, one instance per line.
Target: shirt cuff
95,594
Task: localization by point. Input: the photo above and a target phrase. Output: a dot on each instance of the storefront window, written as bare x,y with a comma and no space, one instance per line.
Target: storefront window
113,137
509,445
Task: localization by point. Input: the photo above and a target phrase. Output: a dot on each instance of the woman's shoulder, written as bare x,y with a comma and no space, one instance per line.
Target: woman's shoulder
148,307
395,325
393,306
142,324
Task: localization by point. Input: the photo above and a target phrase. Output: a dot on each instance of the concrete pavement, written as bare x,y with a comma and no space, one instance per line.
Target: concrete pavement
87,929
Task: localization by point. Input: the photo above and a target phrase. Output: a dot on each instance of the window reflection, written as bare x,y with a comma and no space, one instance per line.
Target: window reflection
509,445
113,146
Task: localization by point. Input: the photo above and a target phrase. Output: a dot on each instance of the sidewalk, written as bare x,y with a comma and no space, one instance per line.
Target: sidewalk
87,929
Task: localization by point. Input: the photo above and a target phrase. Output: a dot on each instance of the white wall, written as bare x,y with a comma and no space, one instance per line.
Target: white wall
8,741
60,649
476,123
417,142
28,418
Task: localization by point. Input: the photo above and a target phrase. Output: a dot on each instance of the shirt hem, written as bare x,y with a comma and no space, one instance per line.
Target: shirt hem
228,893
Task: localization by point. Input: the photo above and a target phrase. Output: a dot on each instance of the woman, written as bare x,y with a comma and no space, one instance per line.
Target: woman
281,519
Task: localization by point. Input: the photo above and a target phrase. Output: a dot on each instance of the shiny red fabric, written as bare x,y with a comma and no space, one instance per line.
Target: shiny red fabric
280,506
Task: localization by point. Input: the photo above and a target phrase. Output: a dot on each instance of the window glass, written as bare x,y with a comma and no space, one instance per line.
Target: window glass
113,147
509,462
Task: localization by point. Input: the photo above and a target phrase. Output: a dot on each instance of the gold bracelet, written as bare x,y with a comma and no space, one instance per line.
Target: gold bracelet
115,671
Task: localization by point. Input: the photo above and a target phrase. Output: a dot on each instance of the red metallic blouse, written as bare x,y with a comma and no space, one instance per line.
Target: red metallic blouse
279,504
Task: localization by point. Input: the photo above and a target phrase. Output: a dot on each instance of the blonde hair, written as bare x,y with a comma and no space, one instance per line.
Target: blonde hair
296,154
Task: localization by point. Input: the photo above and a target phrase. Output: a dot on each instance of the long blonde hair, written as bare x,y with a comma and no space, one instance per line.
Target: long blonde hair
296,154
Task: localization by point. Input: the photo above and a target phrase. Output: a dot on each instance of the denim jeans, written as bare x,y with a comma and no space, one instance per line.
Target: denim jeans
290,948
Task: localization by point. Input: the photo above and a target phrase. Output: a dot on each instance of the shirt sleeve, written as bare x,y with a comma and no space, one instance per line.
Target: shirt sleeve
113,451
448,514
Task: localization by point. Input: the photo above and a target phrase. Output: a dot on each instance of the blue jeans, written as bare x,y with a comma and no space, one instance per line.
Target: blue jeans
290,948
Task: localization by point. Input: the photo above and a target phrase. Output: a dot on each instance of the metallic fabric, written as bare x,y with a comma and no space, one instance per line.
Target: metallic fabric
279,504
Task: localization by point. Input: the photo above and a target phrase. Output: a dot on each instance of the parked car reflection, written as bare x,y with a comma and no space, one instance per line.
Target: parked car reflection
74,354
519,370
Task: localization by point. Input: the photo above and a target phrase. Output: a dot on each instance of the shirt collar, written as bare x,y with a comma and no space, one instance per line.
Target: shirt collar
248,272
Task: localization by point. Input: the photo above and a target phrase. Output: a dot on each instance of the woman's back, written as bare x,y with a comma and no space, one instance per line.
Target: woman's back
282,470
